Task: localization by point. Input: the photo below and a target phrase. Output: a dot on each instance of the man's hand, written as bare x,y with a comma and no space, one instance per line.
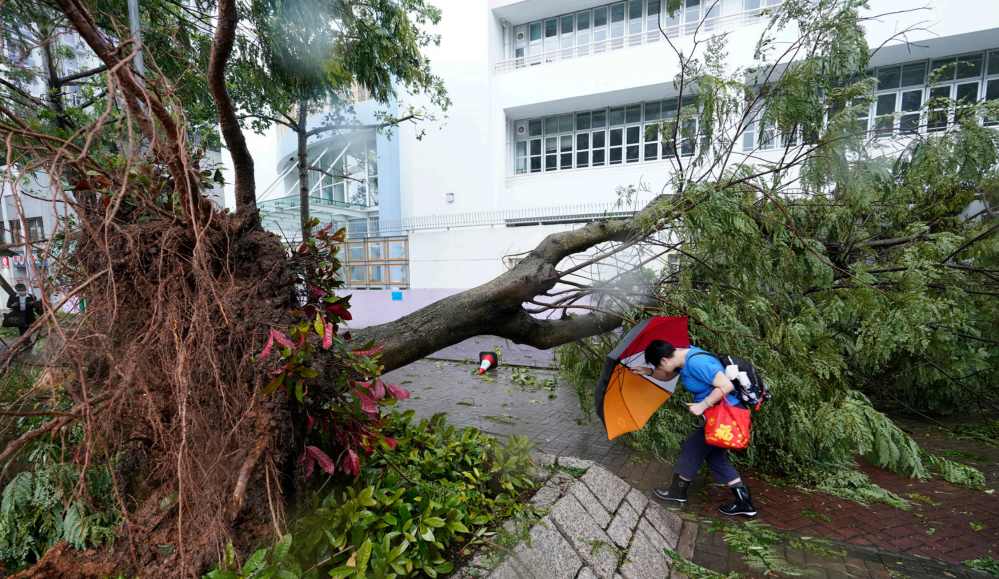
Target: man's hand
642,371
697,408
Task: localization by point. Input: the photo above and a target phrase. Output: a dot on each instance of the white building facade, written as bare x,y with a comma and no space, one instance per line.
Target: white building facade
552,99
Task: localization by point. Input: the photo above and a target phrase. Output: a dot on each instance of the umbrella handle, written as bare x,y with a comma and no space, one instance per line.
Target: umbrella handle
700,421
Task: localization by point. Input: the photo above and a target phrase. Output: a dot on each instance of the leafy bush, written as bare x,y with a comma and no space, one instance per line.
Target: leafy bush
40,507
406,510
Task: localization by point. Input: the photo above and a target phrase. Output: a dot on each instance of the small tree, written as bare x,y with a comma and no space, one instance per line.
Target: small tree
307,56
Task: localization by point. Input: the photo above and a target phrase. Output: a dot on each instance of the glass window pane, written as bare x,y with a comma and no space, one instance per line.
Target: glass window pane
653,8
376,250
914,74
566,143
536,31
992,90
633,114
565,124
599,139
599,17
521,166
939,63
583,21
598,157
969,66
397,249
535,164
617,116
551,28
376,273
669,108
565,160
912,100
600,119
535,125
582,121
536,147
582,141
551,145
617,13
355,251
652,110
616,156
967,93
993,63
397,273
551,125
889,77
567,22
616,137
521,148
885,107
357,274
582,159
632,153
634,135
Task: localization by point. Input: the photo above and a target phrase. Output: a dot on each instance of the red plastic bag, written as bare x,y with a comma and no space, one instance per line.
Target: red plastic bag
727,426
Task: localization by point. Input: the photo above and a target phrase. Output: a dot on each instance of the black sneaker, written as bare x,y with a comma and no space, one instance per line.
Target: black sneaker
743,504
677,490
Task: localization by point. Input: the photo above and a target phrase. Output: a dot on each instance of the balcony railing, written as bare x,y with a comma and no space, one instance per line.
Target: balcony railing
706,26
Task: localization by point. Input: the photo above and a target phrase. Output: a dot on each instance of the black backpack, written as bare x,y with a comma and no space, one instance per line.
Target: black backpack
752,394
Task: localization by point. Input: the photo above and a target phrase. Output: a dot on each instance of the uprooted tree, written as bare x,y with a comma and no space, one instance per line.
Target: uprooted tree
207,350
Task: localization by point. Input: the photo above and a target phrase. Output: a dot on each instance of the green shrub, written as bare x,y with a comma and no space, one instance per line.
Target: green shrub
402,517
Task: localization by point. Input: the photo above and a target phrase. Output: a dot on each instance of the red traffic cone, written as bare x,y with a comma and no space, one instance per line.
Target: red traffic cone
487,360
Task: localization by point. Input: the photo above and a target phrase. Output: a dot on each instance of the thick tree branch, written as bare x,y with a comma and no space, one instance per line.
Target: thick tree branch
496,308
82,74
242,160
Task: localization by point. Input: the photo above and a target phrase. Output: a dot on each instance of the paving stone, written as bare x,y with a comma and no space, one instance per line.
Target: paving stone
542,458
587,573
538,475
668,524
573,462
561,481
546,497
583,532
637,500
645,559
593,506
623,526
608,488
549,555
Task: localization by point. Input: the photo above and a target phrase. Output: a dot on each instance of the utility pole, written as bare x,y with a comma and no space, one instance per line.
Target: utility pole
133,24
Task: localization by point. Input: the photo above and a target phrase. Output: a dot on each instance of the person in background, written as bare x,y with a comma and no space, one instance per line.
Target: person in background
705,378
22,301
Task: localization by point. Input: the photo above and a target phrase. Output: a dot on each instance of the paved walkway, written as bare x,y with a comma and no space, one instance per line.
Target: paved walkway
948,524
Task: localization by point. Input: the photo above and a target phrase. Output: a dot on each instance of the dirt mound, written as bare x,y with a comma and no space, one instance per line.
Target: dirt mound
65,562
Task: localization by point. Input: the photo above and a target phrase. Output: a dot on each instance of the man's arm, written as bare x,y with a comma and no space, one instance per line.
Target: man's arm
722,387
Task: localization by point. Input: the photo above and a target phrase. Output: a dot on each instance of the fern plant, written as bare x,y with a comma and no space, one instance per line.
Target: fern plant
39,509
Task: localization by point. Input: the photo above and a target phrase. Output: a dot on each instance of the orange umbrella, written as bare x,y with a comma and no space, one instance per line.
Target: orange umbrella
626,401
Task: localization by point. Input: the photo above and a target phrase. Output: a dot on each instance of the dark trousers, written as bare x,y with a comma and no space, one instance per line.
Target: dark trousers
696,450
21,330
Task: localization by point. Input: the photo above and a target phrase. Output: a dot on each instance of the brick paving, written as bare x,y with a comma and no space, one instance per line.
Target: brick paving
876,538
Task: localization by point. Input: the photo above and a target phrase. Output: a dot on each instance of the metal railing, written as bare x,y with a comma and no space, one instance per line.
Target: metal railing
566,214
706,26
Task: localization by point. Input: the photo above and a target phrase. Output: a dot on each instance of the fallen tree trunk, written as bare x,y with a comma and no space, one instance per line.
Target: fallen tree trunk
497,307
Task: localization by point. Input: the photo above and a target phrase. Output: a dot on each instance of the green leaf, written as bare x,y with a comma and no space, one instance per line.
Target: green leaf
254,561
273,385
281,549
435,522
222,574
363,555
342,572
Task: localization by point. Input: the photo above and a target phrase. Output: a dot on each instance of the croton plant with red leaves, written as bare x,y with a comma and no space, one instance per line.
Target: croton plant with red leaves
344,416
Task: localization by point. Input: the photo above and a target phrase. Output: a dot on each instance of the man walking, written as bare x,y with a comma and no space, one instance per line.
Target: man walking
24,302
705,378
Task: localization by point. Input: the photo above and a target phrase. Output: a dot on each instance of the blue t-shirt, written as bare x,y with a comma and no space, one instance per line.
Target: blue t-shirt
699,372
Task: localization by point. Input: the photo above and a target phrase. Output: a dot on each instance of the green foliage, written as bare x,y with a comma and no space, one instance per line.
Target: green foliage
694,571
843,269
755,541
441,487
986,565
41,507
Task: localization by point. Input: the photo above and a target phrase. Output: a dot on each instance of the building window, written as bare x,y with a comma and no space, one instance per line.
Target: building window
595,138
36,229
376,263
349,175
